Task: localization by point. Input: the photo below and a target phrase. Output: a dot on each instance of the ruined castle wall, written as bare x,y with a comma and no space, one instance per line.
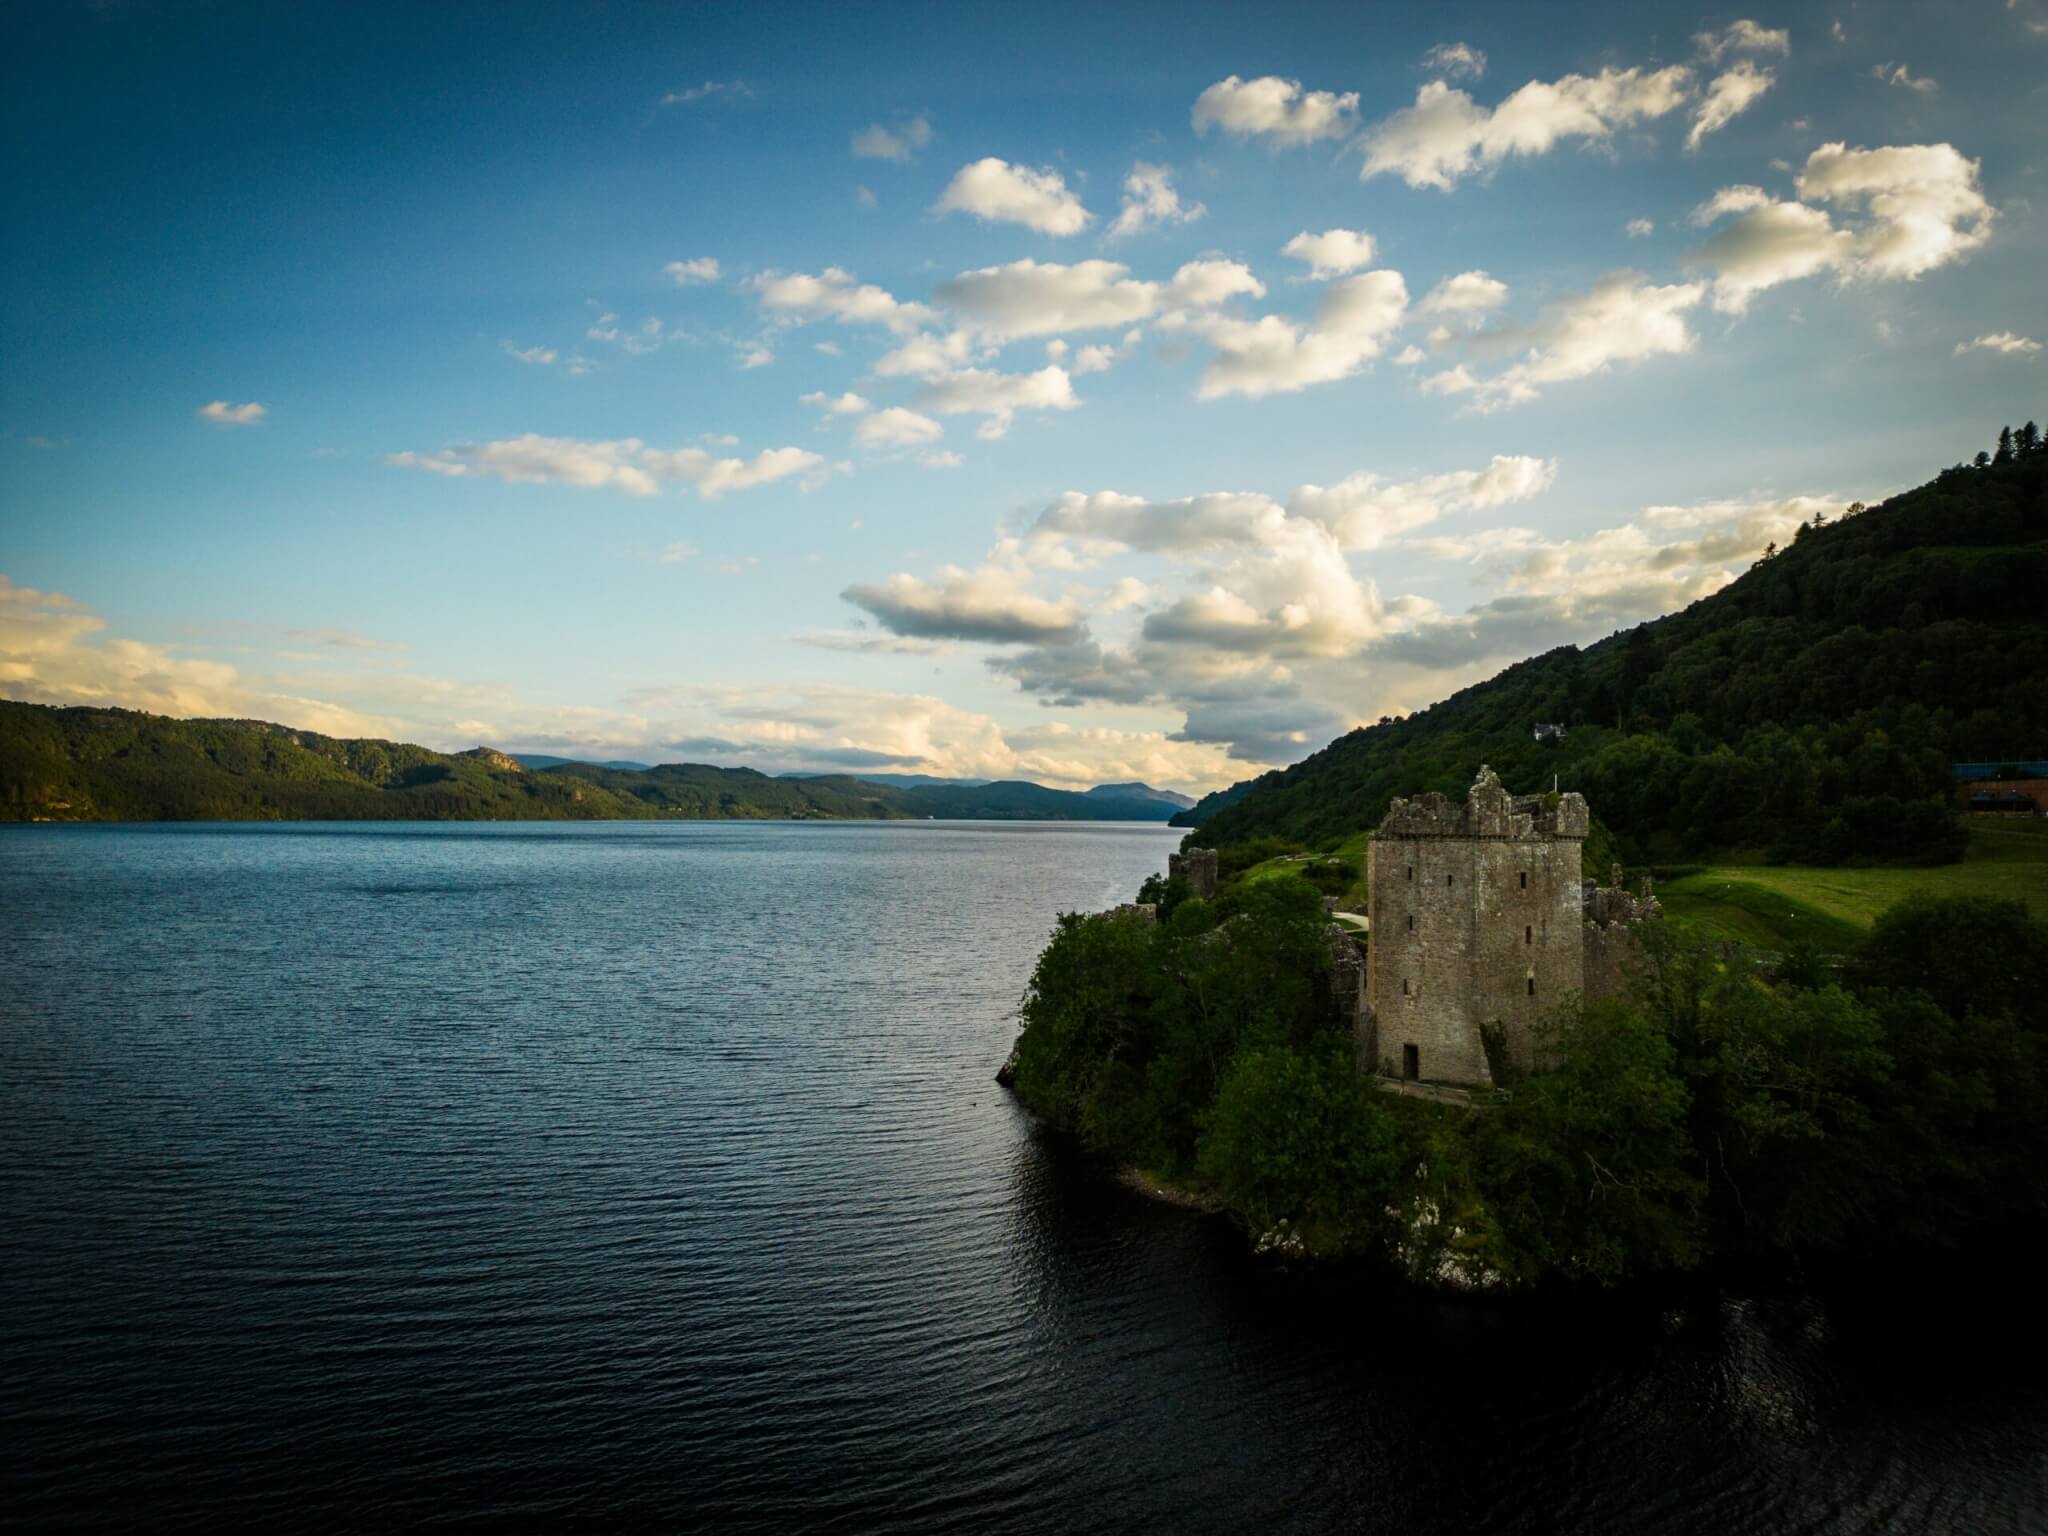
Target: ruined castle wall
1527,949
1424,910
1615,958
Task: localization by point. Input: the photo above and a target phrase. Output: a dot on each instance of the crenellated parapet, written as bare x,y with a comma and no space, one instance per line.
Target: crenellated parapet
1488,811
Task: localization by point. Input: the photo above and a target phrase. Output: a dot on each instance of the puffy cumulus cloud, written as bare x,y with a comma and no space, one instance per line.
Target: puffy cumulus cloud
1363,511
1276,355
703,269
53,651
1454,60
896,427
1447,135
539,357
1205,284
925,354
1727,97
1150,198
1044,298
998,396
1771,243
1469,293
991,604
222,412
2010,343
1913,208
1099,358
847,404
1640,229
1276,110
1569,590
875,142
1000,192
1923,199
1743,37
623,464
1332,253
1255,646
1624,319
835,294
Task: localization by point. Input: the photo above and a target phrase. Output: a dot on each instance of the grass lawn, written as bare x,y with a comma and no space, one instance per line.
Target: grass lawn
1777,905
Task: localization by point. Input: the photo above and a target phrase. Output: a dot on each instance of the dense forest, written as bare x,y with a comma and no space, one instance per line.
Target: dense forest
1810,709
1725,1114
118,765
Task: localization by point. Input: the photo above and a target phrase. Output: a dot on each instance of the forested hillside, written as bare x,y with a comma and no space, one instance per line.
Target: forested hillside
1810,709
118,765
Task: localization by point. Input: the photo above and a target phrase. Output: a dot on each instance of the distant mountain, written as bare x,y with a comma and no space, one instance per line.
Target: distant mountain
119,765
542,760
896,780
1811,708
1135,791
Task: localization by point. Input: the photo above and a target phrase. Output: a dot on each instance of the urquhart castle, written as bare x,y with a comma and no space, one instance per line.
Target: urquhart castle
1479,925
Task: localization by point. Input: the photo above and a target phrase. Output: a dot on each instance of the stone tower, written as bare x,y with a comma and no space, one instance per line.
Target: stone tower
1477,915
1197,867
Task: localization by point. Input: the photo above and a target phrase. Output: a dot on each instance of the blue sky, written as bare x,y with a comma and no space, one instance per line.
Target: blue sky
1079,394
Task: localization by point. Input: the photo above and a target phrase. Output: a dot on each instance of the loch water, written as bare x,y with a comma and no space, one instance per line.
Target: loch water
653,1175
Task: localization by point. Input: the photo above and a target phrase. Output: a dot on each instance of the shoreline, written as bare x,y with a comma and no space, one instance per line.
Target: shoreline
1139,1182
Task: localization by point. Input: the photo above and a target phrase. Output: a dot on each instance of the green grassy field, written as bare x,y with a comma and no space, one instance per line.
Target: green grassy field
1775,906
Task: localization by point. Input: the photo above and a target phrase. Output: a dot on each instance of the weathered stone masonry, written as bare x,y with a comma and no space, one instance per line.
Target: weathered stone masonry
1479,916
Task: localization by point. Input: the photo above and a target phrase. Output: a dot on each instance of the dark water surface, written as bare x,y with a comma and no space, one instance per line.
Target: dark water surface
653,1174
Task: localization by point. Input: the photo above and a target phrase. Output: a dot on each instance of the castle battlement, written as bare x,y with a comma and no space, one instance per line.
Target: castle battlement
1489,811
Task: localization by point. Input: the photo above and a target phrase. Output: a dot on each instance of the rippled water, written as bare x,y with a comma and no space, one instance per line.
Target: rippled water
654,1174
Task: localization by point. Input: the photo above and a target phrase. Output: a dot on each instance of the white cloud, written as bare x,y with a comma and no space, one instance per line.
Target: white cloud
1924,199
1623,319
848,404
1446,135
865,196
835,294
1278,111
1000,192
1272,354
755,357
702,269
623,464
1469,293
1033,298
710,90
1206,284
895,427
1043,298
2010,343
1746,37
1099,358
1453,60
1898,74
875,142
998,396
1332,253
540,357
1639,229
1771,243
1730,95
1409,356
989,604
248,414
1150,198
1922,209
924,354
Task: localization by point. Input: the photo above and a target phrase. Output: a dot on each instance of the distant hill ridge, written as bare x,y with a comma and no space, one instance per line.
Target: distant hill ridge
1810,709
78,764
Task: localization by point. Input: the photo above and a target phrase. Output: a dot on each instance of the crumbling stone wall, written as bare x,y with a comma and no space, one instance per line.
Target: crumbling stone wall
1197,867
1475,915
